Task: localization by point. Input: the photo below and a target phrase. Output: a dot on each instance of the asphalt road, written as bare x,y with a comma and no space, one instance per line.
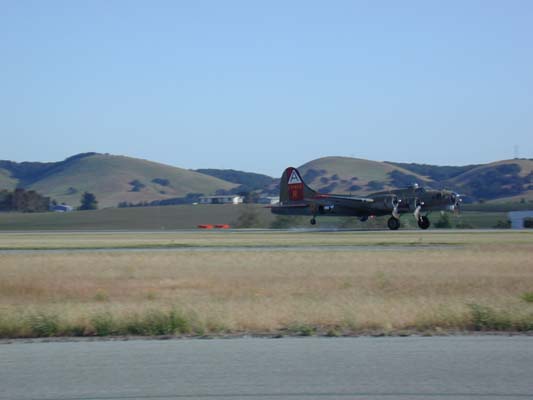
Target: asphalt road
471,367
245,230
241,249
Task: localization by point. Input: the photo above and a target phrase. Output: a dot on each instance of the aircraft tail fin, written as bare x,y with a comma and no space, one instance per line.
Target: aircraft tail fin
293,187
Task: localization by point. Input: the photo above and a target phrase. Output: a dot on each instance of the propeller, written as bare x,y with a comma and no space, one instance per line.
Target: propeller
395,203
456,201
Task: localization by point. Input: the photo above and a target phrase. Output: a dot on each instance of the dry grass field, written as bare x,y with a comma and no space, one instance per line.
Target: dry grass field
369,282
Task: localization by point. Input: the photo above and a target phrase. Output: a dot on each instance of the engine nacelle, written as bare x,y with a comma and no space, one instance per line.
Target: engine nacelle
387,202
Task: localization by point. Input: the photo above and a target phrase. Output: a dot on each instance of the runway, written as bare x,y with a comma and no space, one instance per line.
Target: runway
241,231
468,367
233,249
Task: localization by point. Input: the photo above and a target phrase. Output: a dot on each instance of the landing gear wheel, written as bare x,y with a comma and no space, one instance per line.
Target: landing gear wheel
313,221
423,222
393,223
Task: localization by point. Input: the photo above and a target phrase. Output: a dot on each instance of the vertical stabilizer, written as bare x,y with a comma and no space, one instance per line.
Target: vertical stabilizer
293,187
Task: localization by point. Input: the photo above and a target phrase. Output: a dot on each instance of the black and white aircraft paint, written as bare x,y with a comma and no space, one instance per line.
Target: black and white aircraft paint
296,198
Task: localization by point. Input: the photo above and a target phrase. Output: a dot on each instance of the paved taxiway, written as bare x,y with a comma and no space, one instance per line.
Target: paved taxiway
236,249
468,367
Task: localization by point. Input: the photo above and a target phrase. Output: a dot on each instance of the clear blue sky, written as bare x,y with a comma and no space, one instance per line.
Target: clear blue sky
258,86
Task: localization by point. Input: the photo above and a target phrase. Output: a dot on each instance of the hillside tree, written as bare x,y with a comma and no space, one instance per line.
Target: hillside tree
88,202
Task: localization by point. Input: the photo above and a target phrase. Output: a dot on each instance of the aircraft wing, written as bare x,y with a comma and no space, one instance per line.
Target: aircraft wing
290,205
322,203
346,200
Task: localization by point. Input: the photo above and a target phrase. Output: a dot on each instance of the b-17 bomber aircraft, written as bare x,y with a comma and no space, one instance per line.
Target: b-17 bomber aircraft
296,198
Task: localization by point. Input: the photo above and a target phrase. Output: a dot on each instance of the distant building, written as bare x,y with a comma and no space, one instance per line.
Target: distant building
61,208
226,199
268,200
517,218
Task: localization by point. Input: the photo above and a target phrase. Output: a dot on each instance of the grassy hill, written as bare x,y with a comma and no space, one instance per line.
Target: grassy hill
353,175
506,180
6,180
113,179
522,168
501,181
247,181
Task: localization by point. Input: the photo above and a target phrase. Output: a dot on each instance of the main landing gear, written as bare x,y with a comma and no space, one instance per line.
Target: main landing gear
313,221
423,222
393,223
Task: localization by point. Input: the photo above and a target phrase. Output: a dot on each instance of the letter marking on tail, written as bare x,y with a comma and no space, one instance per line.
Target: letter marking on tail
294,179
296,186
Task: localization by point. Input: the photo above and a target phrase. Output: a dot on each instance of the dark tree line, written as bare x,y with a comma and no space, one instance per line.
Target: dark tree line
23,201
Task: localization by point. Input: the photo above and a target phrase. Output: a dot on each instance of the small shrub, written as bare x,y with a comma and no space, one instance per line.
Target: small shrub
525,324
161,181
101,295
486,318
137,185
199,330
103,324
333,332
9,326
161,323
156,323
43,325
301,329
307,330
73,330
528,296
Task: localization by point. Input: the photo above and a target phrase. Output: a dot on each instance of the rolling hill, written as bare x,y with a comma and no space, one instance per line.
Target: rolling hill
114,179
506,180
350,175
247,181
111,178
6,180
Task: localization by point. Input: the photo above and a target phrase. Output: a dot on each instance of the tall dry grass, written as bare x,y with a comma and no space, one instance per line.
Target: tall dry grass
478,287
